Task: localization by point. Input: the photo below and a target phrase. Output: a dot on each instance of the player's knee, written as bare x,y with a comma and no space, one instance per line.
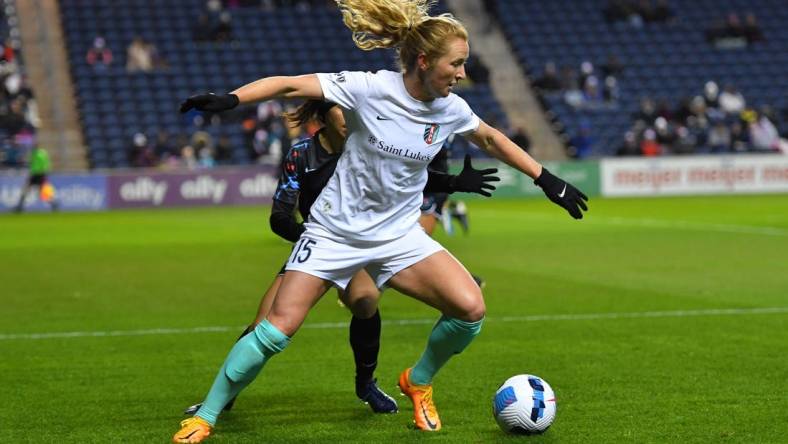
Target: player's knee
475,309
364,307
476,313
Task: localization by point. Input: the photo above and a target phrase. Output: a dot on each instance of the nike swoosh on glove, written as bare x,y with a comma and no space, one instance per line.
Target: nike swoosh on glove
562,193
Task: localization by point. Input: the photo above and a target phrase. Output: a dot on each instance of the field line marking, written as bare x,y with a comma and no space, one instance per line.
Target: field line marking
336,325
686,225
671,224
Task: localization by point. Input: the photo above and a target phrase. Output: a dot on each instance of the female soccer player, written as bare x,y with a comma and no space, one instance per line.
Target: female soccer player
366,217
306,169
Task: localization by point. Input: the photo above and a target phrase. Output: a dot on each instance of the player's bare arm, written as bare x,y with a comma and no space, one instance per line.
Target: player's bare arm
502,148
560,192
305,86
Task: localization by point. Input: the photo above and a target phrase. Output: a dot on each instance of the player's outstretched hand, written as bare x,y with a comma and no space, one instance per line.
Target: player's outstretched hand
210,102
475,181
562,193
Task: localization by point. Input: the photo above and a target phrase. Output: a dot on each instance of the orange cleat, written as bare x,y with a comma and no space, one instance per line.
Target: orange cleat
425,415
194,429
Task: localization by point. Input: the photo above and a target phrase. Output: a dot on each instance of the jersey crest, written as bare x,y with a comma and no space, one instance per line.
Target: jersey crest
431,132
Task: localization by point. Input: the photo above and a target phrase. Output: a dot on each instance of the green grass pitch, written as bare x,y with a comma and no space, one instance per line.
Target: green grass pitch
616,312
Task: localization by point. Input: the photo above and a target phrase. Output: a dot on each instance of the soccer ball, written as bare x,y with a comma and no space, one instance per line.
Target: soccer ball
524,405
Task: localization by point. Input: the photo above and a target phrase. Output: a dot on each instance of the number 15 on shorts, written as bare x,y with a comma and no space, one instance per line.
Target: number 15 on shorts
302,251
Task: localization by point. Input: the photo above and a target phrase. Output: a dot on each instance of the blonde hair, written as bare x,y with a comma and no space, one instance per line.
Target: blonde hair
402,24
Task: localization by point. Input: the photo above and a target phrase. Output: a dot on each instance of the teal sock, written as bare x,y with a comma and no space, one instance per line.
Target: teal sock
242,365
449,337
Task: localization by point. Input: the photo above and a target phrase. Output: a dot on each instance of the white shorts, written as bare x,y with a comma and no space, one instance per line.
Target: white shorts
321,253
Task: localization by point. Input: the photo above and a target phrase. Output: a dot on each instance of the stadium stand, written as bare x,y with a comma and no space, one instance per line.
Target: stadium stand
661,62
18,110
199,46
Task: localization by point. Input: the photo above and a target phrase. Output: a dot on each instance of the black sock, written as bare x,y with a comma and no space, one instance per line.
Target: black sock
365,341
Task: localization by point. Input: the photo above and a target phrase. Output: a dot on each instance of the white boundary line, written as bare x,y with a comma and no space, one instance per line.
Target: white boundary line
669,224
695,226
336,325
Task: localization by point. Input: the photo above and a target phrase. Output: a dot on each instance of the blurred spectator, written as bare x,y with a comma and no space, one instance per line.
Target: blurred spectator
733,128
663,12
711,94
664,132
719,139
731,101
740,138
139,55
13,120
8,53
223,32
99,56
205,157
141,154
214,8
201,140
16,88
188,159
611,93
224,151
649,146
763,134
8,63
645,11
586,71
752,30
268,145
630,145
621,11
685,141
592,96
647,112
582,144
732,33
164,147
549,81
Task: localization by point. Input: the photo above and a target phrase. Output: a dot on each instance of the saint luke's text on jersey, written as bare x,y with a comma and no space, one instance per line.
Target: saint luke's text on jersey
404,152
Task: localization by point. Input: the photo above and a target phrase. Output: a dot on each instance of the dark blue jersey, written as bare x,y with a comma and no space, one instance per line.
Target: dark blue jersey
306,169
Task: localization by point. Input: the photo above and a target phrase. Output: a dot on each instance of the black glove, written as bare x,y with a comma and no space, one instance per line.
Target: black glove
210,102
562,193
474,181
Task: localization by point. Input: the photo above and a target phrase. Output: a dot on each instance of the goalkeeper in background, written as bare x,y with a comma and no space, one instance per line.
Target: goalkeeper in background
39,166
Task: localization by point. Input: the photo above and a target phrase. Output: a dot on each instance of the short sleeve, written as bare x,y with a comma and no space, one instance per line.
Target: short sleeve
467,120
288,188
347,88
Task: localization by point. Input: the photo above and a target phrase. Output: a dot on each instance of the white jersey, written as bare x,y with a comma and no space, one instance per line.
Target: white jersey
376,190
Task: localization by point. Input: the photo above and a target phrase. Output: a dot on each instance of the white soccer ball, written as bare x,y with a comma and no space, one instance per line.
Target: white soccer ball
524,404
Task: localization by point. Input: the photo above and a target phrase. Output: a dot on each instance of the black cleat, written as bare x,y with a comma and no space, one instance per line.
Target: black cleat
377,399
